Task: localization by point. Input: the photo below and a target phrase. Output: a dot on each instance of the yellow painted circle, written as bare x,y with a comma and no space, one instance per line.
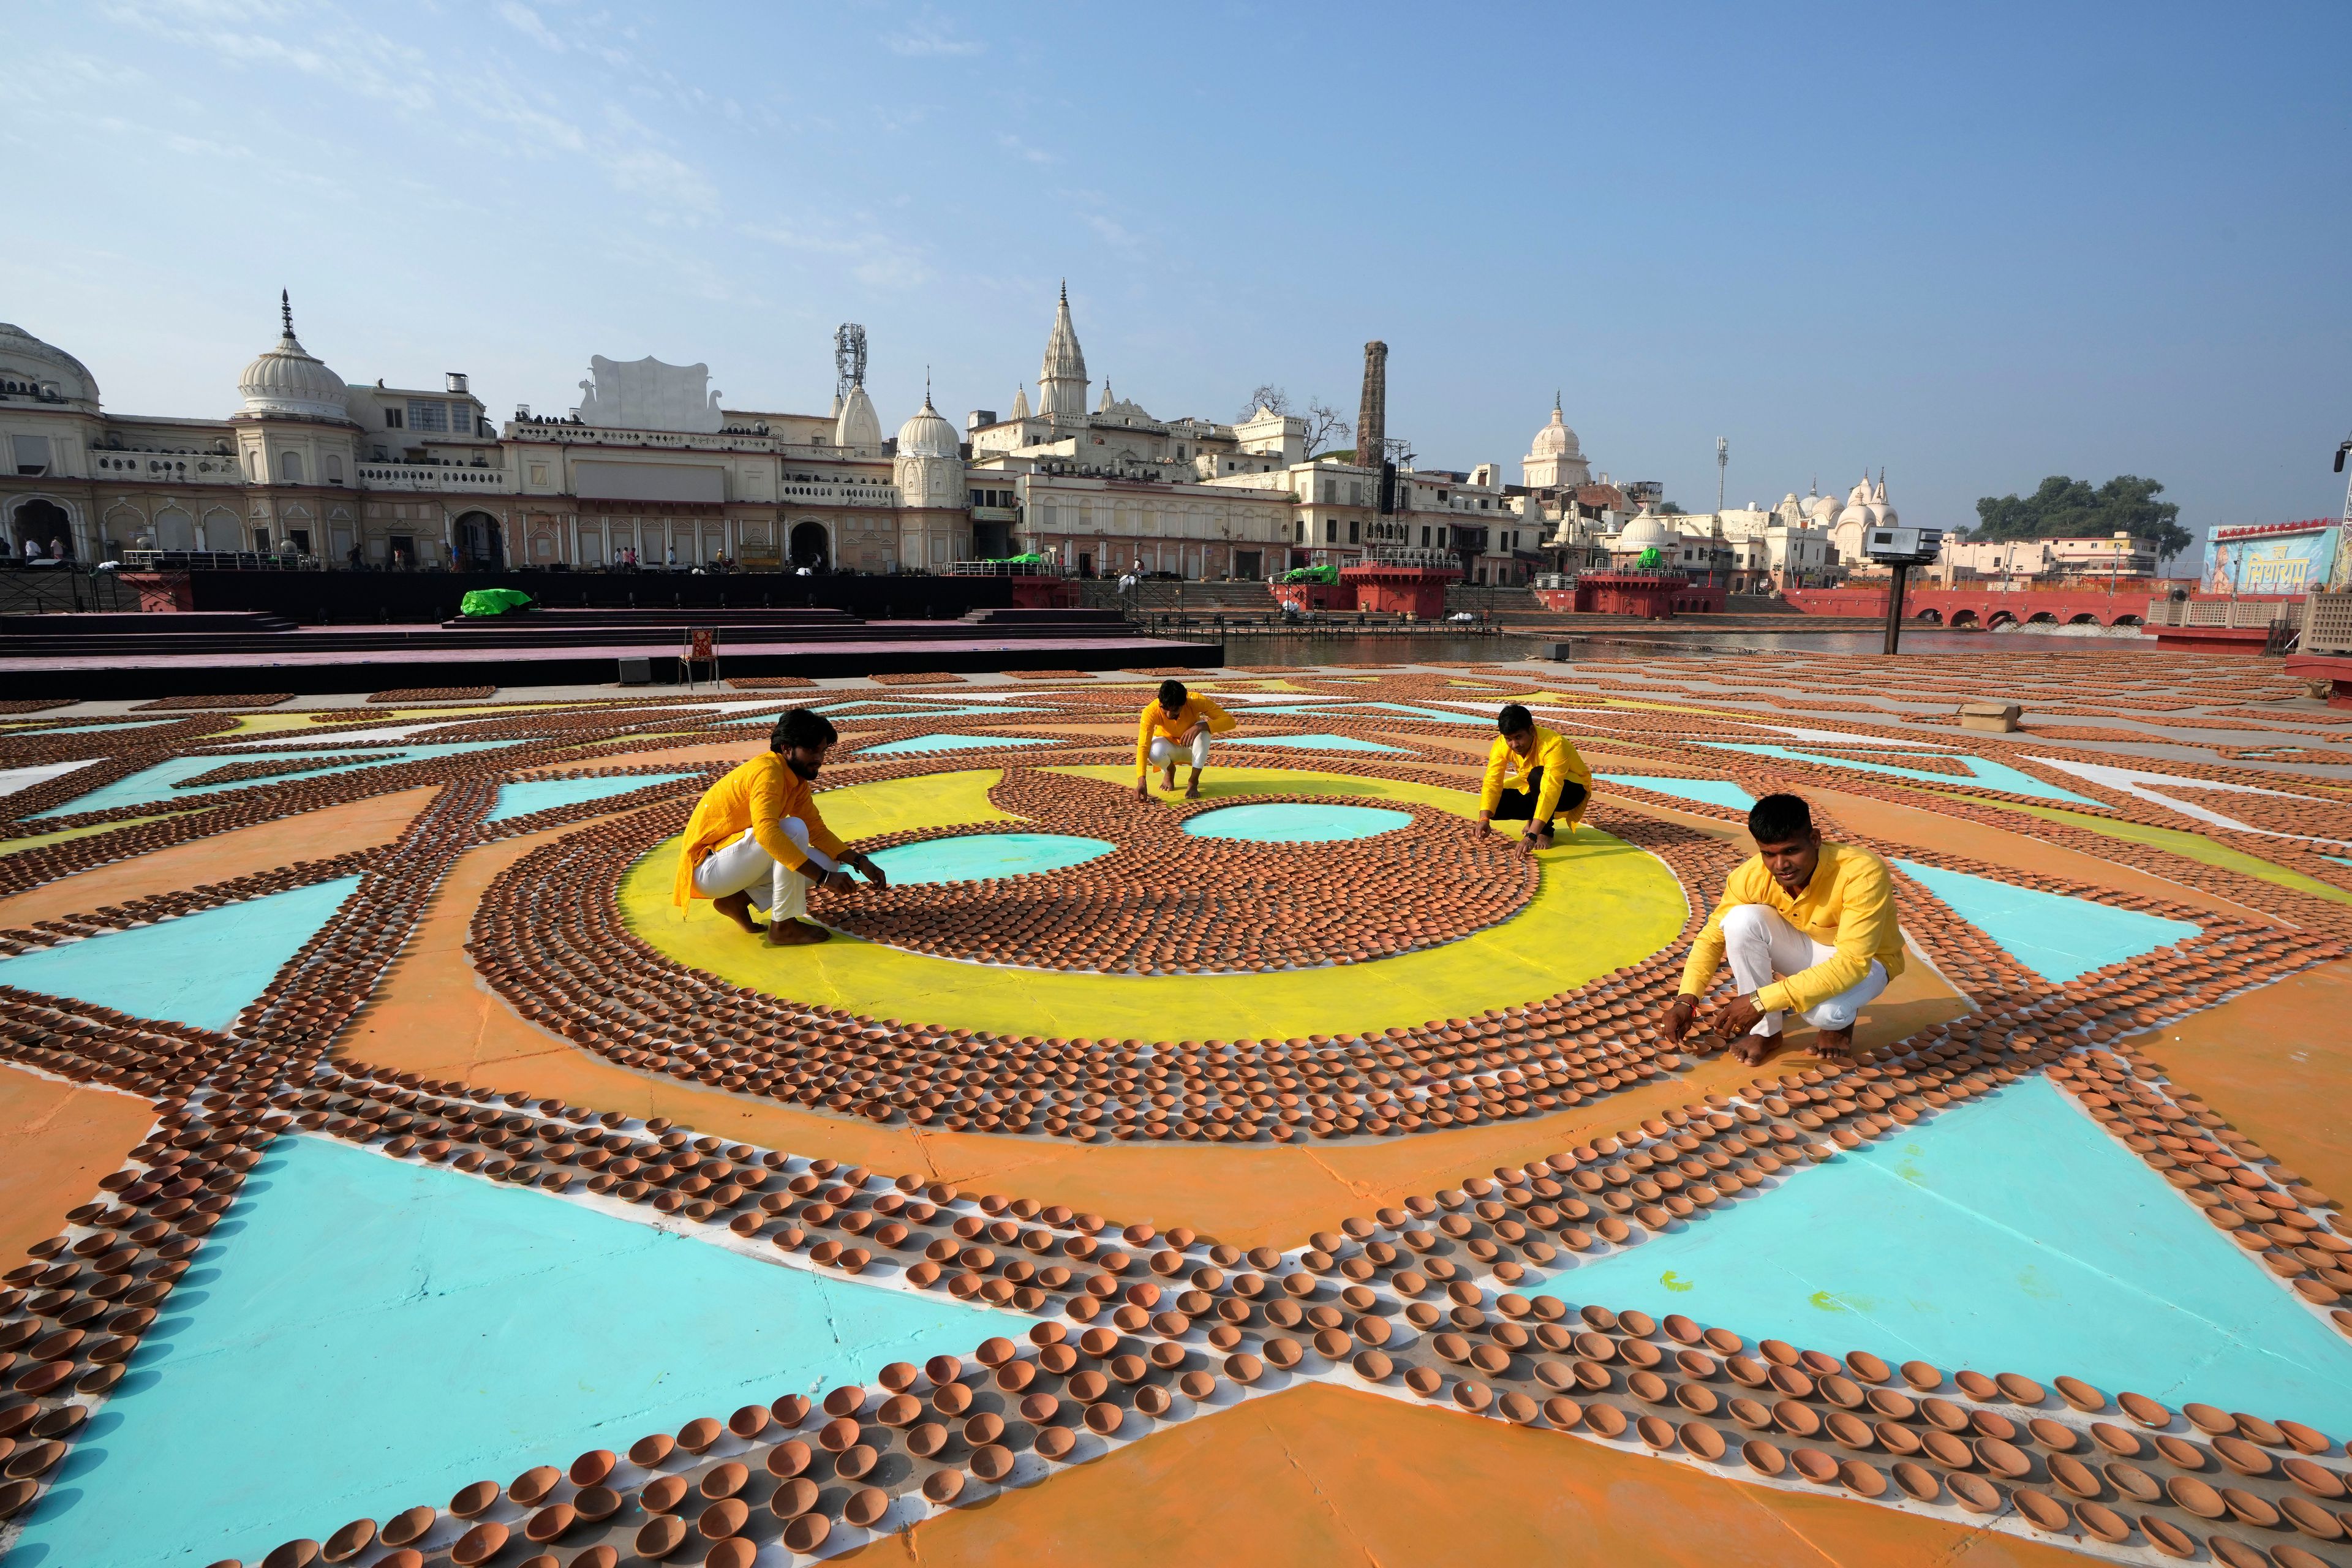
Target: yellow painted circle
1602,904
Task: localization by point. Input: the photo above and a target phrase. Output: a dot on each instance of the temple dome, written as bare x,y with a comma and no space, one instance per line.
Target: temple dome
928,435
288,380
45,368
856,425
1555,440
1647,531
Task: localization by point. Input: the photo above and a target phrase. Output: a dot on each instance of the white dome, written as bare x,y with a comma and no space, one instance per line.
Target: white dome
288,380
1822,509
1647,531
1556,440
926,435
44,368
856,424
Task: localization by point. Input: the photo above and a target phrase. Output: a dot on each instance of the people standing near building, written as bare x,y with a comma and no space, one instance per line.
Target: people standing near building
758,825
1810,928
1533,775
1176,724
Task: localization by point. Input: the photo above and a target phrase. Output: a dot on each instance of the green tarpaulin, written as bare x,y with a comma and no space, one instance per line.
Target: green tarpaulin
1312,574
492,601
1650,558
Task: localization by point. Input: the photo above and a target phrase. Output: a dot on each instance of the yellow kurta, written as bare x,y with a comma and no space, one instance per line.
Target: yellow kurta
1505,769
1158,722
1848,905
757,795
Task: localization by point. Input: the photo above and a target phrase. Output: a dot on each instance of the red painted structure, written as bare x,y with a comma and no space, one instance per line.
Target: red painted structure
1988,606
1388,588
2336,668
1648,595
1314,596
1044,594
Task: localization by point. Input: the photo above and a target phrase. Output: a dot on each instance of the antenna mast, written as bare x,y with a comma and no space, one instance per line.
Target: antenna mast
848,359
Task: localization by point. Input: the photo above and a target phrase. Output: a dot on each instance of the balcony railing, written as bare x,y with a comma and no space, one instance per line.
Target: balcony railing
177,467
2225,613
433,477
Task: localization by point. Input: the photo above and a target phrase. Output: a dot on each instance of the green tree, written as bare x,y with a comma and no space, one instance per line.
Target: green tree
2072,508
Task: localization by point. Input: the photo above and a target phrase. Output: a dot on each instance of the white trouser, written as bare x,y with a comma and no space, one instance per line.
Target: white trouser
1762,947
1165,751
739,865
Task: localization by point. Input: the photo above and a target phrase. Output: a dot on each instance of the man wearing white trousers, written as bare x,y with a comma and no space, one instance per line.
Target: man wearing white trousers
1176,724
758,828
1808,927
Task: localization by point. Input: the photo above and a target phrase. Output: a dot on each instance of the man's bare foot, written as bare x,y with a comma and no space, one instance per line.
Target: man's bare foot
1835,1045
1755,1051
737,907
796,933
1169,780
1193,789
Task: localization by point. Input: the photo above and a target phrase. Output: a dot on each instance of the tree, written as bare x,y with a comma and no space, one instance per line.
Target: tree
1668,509
1265,395
2067,508
1323,425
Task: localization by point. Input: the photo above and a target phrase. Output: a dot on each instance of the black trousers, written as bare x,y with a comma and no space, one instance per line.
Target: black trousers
1519,804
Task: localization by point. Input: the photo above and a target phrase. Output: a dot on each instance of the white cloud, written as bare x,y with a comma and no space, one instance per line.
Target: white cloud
530,24
1023,151
1112,233
875,258
931,35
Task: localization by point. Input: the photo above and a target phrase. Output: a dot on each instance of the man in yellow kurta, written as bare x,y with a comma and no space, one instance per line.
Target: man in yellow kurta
1176,724
1533,775
759,824
1810,929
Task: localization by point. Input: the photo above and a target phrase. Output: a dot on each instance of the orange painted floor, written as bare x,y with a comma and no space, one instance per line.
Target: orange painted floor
432,1015
312,836
1325,1475
58,1139
2277,1063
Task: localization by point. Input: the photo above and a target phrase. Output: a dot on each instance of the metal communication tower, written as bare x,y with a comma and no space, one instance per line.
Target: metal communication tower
1722,461
848,358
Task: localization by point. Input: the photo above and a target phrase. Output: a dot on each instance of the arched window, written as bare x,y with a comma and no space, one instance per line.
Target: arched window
289,468
334,468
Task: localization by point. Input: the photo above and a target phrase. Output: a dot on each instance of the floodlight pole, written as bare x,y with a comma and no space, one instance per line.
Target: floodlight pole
1894,607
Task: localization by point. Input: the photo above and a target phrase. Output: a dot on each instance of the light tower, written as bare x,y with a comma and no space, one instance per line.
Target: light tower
1722,461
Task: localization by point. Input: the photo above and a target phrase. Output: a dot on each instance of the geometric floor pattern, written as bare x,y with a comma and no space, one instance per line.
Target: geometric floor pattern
1131,1191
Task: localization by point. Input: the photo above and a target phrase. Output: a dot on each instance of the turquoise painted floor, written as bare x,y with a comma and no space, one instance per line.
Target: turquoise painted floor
951,743
2056,936
200,969
362,1335
2010,1234
1992,776
1303,822
1313,743
977,856
1706,792
1353,710
149,786
545,795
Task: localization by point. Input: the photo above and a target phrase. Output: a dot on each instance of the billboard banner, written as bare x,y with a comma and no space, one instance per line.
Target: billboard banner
2247,561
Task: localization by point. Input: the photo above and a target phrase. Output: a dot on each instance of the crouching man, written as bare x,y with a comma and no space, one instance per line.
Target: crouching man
1809,928
759,828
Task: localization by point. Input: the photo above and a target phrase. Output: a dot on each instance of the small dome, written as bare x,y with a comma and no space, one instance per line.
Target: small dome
1556,440
854,423
1647,531
926,435
43,369
1822,509
289,380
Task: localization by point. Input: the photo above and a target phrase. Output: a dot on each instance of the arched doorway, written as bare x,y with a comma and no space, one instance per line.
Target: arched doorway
43,522
810,547
476,537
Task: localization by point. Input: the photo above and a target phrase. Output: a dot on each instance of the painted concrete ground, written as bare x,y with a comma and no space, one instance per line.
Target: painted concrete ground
402,1179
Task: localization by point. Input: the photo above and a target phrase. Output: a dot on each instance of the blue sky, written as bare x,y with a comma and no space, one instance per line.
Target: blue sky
1975,246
